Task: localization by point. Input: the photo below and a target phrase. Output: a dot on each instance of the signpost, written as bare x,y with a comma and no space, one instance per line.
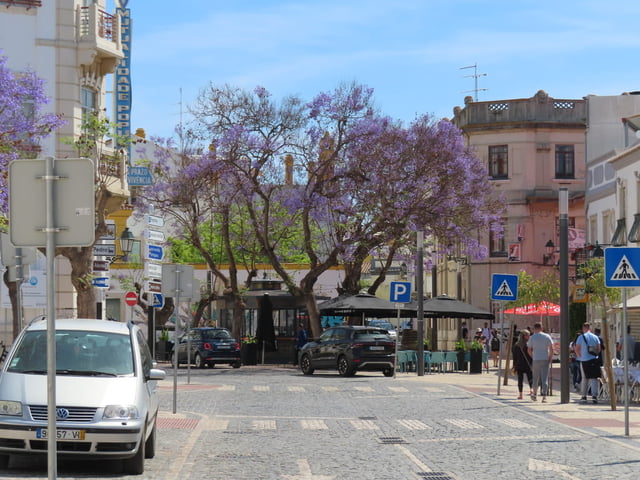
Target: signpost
504,288
399,293
621,269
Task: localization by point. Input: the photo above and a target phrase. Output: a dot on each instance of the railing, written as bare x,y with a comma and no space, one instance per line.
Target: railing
23,3
106,24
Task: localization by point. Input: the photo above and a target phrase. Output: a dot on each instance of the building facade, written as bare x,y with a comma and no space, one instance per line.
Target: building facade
532,147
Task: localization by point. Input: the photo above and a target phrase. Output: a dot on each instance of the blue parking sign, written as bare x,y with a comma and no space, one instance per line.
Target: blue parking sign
400,292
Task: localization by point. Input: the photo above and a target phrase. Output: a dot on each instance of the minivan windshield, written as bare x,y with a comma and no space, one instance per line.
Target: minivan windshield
77,353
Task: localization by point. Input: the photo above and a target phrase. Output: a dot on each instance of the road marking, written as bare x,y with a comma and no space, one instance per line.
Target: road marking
305,473
179,466
263,424
414,425
293,388
466,424
398,389
433,389
512,422
314,425
330,389
363,389
261,388
227,388
364,425
413,458
542,466
510,437
217,424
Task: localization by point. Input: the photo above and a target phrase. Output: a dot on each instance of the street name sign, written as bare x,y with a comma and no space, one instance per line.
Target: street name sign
155,221
622,266
100,266
153,270
504,287
154,286
400,292
153,235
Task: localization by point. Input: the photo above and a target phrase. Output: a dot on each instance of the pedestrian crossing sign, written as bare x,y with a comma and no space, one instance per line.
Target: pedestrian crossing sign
622,267
504,287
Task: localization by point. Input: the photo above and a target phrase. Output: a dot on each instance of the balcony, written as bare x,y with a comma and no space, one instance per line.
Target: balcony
22,3
99,39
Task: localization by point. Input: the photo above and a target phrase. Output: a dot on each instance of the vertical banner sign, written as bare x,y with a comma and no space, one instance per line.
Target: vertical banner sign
123,76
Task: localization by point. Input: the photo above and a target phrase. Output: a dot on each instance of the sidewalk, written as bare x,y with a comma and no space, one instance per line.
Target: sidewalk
596,419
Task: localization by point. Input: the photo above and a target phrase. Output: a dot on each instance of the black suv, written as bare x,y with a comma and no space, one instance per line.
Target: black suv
208,347
350,349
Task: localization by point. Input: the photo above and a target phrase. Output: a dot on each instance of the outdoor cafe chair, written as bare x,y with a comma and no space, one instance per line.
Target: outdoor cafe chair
451,358
438,360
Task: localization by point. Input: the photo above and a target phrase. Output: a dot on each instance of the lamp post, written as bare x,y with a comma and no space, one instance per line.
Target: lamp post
126,241
563,207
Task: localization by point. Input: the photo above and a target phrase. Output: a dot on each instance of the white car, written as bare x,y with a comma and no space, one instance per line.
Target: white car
106,393
386,325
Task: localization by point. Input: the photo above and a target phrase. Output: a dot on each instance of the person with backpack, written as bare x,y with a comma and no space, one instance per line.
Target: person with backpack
495,347
588,351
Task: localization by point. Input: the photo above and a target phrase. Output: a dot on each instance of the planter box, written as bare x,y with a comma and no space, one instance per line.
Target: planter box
249,353
475,361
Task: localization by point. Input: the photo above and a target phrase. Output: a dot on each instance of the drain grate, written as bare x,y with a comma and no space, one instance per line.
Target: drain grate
436,475
392,440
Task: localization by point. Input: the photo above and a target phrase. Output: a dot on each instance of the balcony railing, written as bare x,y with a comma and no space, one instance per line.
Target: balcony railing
22,3
106,24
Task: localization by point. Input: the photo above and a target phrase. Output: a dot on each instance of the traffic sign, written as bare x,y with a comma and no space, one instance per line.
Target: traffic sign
504,287
131,298
104,250
155,221
155,252
153,270
139,177
157,300
100,266
154,286
100,282
622,267
400,292
154,235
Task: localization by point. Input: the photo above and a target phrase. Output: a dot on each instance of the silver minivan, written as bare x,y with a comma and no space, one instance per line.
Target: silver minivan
105,389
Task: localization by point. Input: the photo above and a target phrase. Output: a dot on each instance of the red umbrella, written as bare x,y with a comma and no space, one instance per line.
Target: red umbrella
542,308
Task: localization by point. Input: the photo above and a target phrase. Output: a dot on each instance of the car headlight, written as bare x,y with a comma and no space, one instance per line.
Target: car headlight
10,408
120,412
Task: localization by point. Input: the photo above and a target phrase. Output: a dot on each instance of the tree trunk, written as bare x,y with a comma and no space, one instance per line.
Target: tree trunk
81,260
607,362
314,313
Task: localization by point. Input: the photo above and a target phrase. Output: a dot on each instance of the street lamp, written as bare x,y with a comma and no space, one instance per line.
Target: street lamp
549,250
126,241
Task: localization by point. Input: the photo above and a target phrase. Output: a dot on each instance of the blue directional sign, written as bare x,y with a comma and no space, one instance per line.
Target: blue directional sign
504,287
139,177
157,300
622,267
100,282
155,252
400,292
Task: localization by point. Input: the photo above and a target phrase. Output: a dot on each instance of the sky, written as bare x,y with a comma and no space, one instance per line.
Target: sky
411,52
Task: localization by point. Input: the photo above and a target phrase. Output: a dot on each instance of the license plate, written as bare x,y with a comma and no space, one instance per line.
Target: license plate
376,347
61,434
224,347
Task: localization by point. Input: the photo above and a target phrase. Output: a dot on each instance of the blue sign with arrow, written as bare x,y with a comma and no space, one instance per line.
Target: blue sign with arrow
622,267
504,287
155,252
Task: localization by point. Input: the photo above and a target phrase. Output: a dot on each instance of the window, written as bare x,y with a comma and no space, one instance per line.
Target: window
497,245
565,161
498,161
88,101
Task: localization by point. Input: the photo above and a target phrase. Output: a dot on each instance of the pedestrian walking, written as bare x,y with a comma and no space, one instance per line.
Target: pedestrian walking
574,364
495,346
540,346
301,340
588,353
522,362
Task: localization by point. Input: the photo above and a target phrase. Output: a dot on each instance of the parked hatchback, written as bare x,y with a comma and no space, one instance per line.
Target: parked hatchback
105,389
208,347
350,349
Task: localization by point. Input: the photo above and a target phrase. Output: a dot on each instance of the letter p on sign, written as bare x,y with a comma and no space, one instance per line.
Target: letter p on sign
400,292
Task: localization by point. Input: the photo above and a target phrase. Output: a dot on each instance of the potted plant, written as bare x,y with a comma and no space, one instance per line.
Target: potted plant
475,357
461,351
163,346
249,350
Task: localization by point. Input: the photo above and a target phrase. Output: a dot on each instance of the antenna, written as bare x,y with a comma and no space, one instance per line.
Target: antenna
475,78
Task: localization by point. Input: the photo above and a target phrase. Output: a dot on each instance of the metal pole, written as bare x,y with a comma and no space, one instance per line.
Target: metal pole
501,345
19,280
563,200
420,294
626,361
52,458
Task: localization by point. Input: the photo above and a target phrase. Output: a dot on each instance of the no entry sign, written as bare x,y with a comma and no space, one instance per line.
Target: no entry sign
131,298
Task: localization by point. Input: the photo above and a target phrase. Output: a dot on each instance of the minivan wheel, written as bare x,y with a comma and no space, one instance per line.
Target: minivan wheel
150,444
135,464
305,365
344,368
236,364
198,361
388,372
